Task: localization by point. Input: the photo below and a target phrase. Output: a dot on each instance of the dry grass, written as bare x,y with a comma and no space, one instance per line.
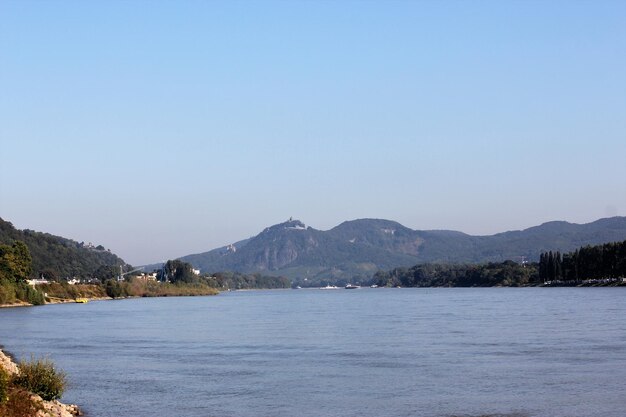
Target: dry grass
143,288
71,292
19,403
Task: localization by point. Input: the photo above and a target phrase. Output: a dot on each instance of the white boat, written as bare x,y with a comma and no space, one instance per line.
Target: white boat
374,286
352,287
329,287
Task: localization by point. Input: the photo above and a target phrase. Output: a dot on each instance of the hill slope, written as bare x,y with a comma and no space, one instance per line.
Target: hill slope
361,247
59,256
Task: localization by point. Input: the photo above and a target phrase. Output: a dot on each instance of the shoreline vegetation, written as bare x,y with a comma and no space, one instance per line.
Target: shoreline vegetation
175,279
62,292
32,388
588,266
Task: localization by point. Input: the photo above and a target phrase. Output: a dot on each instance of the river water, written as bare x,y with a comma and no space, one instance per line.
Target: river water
553,352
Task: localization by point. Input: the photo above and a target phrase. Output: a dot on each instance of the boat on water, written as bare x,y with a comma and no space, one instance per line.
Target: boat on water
329,287
82,300
352,287
374,286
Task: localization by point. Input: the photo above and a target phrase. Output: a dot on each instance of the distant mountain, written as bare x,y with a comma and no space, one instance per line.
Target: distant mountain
359,248
57,255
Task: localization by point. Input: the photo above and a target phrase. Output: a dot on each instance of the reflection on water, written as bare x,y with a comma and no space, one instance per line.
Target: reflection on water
531,352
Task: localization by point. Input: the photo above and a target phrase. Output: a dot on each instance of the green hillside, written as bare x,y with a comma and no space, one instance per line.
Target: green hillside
359,248
58,257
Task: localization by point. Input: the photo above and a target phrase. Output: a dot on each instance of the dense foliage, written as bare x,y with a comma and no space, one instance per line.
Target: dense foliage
15,267
15,292
607,261
239,281
177,271
507,273
55,257
41,377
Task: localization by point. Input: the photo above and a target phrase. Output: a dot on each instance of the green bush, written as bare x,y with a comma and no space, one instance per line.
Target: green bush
7,291
34,296
29,294
40,377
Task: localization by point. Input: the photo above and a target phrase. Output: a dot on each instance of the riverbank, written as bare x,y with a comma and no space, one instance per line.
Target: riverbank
34,402
55,300
61,293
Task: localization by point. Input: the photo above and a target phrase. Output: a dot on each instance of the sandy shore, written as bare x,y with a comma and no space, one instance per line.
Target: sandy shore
53,300
18,304
50,408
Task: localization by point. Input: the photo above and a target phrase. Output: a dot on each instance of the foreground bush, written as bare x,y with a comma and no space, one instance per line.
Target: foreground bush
40,376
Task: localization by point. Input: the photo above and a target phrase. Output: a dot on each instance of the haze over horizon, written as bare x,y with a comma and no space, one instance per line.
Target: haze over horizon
161,129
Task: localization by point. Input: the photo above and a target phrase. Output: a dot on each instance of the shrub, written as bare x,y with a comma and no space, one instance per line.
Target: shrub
40,377
35,297
114,289
25,292
7,291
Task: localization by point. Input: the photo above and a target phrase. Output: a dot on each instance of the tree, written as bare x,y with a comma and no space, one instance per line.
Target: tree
588,262
177,271
49,274
105,272
114,289
15,261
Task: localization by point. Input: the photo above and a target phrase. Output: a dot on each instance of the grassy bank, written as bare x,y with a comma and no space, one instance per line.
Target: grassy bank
132,288
145,288
20,294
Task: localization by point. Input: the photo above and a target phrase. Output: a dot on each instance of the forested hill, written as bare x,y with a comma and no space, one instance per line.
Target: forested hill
362,247
58,257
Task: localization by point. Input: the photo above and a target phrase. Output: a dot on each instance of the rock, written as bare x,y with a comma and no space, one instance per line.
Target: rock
73,410
8,364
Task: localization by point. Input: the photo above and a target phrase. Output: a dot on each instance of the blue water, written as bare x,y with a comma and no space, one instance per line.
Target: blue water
558,352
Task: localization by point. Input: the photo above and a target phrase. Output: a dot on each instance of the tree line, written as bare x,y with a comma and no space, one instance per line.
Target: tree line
607,261
174,279
177,271
57,258
15,268
507,273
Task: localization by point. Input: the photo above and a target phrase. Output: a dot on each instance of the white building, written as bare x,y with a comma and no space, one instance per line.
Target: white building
37,281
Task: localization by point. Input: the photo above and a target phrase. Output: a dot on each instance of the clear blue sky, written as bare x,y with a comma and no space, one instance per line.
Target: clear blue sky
160,129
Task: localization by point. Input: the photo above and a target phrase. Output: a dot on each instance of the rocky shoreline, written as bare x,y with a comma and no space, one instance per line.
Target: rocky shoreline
49,408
